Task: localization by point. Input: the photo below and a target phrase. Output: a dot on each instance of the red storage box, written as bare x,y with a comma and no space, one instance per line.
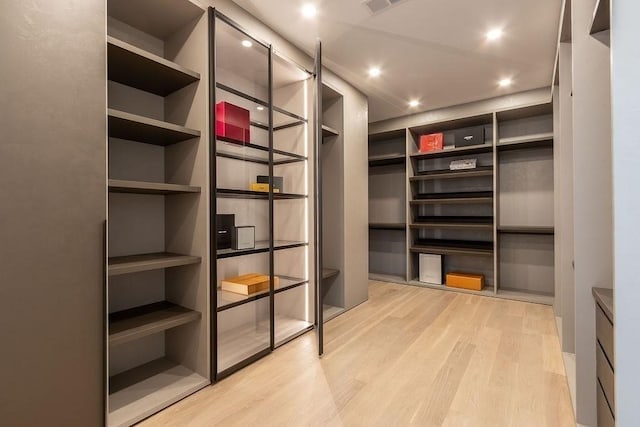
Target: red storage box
232,122
432,142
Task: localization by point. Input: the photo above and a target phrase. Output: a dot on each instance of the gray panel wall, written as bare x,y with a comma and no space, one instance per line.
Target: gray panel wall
52,208
592,195
626,151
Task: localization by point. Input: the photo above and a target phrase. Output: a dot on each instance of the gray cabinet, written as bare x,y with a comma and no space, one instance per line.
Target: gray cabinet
605,357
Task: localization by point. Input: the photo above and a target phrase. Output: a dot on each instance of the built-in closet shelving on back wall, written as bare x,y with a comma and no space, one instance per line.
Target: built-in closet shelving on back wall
496,220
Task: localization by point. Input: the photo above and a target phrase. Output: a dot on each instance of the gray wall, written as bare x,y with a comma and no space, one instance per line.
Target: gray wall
592,195
626,151
52,199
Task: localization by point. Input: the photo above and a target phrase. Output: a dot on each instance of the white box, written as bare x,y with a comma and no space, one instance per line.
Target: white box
431,268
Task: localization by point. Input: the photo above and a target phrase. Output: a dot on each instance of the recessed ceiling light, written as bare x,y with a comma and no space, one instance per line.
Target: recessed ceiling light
246,43
374,72
309,11
259,108
414,103
494,34
505,82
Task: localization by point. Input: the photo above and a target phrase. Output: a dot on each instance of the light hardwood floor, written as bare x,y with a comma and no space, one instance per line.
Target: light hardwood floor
408,356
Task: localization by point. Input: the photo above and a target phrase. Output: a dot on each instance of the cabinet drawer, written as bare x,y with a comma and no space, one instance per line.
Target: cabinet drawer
604,333
605,376
605,417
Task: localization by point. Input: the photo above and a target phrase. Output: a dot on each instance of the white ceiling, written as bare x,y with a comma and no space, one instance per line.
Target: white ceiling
431,50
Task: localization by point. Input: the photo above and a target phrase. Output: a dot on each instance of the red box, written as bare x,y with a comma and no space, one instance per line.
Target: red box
232,122
432,142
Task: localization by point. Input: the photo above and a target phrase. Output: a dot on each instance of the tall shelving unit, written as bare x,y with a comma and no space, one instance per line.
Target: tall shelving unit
332,163
157,288
496,219
388,207
451,212
248,73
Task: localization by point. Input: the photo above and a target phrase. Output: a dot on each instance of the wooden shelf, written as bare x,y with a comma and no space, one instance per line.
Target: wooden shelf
453,198
526,230
139,322
451,174
393,159
328,132
135,67
328,273
149,131
260,247
146,262
462,222
454,152
387,226
142,391
141,187
227,300
526,141
601,17
262,195
452,247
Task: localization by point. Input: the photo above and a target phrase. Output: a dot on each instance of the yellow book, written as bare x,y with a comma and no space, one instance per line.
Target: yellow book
255,186
248,284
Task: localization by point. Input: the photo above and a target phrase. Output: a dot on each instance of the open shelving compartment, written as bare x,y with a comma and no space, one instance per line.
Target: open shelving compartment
158,292
525,203
274,92
332,163
451,212
388,206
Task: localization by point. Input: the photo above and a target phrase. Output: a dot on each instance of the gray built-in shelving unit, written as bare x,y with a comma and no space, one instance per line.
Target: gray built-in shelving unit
158,293
332,163
496,220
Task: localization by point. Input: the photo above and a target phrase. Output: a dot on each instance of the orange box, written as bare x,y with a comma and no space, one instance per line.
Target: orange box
431,142
474,282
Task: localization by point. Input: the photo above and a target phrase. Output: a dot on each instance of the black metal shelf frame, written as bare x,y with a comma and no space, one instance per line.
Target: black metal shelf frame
269,160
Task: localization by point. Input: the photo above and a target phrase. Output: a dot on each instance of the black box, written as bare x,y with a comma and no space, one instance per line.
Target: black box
278,182
225,225
469,136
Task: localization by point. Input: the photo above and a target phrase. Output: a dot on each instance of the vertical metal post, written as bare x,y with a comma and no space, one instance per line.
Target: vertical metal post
213,228
317,178
272,313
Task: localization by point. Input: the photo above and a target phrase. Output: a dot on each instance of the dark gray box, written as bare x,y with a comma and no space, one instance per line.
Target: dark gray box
225,224
278,182
469,136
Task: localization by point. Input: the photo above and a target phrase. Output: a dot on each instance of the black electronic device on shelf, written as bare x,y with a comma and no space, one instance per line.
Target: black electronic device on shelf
466,137
226,224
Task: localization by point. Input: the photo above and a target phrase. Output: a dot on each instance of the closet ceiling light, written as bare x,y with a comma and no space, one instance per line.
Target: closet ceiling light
494,34
259,108
246,43
505,82
374,72
309,11
414,103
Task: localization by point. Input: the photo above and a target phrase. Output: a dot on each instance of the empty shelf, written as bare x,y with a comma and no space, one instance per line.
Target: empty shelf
141,187
328,131
453,247
329,272
448,174
139,322
467,222
393,159
142,70
601,17
526,141
249,152
260,247
387,226
142,391
248,194
146,262
329,312
387,278
454,152
149,131
526,296
526,230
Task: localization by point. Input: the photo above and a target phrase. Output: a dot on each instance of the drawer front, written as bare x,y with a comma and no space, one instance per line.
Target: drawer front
605,376
604,333
605,417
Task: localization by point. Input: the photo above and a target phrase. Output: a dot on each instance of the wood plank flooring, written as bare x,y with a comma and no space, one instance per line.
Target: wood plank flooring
408,356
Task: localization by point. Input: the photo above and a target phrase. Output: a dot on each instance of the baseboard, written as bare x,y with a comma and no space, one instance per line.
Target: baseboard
570,369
